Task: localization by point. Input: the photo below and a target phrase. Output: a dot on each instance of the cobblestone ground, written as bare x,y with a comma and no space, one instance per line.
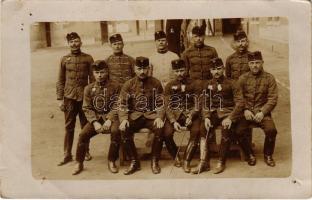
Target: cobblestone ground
48,122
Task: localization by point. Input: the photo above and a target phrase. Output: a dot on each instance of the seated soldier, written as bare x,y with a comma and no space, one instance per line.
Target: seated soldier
222,104
181,97
140,108
260,94
100,108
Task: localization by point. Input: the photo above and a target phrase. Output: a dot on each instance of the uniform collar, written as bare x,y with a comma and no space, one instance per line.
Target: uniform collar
103,83
219,80
118,54
75,53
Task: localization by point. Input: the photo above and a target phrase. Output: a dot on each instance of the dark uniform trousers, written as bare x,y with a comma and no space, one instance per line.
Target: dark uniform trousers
88,132
127,137
193,140
227,135
72,108
267,125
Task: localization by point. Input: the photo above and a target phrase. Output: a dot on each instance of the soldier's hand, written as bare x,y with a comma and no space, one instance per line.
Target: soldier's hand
61,105
97,127
207,124
107,124
248,115
226,123
158,123
177,126
188,121
123,125
259,117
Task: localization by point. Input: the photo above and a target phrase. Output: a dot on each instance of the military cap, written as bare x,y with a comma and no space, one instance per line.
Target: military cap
217,62
142,62
72,35
159,35
115,38
177,64
254,56
239,35
99,65
198,31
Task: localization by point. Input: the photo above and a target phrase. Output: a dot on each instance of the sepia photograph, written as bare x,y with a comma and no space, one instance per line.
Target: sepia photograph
156,99
76,141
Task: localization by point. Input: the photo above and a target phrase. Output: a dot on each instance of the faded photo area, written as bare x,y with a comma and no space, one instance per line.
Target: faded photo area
103,92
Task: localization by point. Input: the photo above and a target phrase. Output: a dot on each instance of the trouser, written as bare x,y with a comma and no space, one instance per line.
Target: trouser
194,136
72,109
227,135
169,131
88,132
268,126
127,137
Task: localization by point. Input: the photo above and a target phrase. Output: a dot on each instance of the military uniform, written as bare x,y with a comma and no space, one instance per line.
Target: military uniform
221,99
198,61
140,106
120,65
181,98
260,95
236,65
74,74
99,106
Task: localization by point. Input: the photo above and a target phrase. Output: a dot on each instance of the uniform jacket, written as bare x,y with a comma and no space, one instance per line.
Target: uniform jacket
121,67
139,98
182,98
74,74
222,96
236,65
100,101
198,61
260,92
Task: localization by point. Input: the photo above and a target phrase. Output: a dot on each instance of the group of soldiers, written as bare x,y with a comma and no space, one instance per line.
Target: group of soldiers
167,94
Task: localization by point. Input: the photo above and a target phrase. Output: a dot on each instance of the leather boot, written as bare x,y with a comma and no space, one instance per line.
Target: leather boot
156,150
268,150
173,151
155,166
188,155
203,164
219,168
268,159
113,151
78,168
134,166
65,161
251,160
269,145
88,157
130,149
112,167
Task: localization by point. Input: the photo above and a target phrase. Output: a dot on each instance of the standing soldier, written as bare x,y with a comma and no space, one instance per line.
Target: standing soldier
161,60
181,100
237,63
74,74
198,57
120,65
260,94
222,105
141,107
100,108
